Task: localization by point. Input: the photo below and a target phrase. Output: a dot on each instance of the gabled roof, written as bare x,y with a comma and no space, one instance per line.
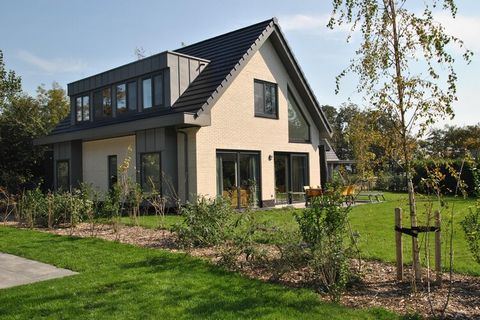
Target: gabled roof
228,54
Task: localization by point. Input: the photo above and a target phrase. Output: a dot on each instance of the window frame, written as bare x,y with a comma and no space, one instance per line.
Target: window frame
152,76
127,109
110,184
263,114
81,97
67,161
290,140
142,154
103,114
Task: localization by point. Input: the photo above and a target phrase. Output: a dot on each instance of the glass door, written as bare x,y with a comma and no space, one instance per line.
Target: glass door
238,177
291,175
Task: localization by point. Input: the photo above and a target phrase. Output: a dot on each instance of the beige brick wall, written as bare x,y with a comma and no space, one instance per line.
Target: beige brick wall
95,159
235,127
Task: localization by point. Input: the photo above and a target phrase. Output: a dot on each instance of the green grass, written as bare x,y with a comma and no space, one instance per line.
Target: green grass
118,281
374,222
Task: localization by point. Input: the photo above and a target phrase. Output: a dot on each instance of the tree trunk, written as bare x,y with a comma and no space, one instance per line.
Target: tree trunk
400,91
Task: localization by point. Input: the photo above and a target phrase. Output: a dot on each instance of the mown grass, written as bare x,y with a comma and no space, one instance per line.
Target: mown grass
118,281
374,223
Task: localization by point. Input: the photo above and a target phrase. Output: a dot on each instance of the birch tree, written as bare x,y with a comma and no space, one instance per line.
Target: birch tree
405,67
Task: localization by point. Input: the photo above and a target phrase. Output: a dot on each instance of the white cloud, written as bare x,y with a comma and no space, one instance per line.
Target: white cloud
464,27
316,24
50,66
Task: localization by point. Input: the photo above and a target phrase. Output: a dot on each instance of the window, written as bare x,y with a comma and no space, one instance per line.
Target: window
102,101
238,177
291,175
121,96
63,175
153,92
112,171
298,128
82,108
132,96
150,171
147,93
266,102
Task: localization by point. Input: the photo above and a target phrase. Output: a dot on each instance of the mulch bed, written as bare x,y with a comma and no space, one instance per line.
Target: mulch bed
377,288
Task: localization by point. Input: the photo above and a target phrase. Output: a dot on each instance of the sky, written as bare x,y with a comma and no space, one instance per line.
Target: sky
64,41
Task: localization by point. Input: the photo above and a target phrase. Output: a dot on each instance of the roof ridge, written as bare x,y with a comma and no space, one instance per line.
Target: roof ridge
274,19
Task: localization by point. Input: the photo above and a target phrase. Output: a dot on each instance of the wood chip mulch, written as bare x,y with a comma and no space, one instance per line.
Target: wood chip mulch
377,288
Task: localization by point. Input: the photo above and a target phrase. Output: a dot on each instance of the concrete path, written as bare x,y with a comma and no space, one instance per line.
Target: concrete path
15,271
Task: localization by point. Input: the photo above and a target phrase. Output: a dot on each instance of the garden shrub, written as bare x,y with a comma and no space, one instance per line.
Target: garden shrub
324,230
205,222
471,227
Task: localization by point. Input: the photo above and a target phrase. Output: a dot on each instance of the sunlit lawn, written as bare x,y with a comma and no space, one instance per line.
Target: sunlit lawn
118,281
375,224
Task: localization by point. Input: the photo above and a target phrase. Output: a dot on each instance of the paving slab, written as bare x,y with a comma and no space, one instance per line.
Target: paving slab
16,271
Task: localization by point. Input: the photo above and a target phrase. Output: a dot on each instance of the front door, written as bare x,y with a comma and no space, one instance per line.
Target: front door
238,177
291,175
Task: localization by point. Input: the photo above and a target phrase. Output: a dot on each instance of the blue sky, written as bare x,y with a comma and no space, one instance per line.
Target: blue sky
63,41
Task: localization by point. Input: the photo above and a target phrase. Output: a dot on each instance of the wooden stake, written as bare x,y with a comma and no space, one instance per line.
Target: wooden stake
438,248
398,242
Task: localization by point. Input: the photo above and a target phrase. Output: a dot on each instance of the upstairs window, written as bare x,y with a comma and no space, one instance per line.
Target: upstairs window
121,96
82,108
298,127
266,99
102,101
126,97
153,92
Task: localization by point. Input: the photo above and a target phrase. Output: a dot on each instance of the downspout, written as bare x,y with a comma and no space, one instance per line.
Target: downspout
185,156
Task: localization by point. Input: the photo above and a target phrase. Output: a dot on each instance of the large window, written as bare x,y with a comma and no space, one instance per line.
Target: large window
112,171
266,99
298,127
153,92
132,96
291,175
150,171
63,175
238,177
82,108
102,101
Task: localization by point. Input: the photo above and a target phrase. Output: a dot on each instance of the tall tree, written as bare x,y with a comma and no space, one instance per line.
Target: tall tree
10,84
396,42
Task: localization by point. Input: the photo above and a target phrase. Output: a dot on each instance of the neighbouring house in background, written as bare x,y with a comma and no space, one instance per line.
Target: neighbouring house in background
232,116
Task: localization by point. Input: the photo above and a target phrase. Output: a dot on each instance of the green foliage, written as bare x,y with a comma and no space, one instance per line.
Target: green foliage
205,222
22,119
324,229
37,209
471,227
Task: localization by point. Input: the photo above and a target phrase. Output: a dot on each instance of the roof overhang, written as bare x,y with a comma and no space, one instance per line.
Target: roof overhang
180,119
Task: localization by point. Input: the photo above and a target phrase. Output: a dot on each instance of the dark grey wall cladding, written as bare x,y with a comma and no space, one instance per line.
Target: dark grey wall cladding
131,70
163,140
71,151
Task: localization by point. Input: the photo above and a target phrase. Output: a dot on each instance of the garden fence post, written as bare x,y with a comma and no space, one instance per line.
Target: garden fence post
438,249
399,245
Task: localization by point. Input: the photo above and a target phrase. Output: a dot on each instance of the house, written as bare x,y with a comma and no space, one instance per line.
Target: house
232,115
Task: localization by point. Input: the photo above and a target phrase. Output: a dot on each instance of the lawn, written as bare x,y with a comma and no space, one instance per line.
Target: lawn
374,222
118,281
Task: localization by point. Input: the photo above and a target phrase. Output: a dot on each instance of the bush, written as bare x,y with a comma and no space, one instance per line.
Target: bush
324,230
471,226
205,222
37,209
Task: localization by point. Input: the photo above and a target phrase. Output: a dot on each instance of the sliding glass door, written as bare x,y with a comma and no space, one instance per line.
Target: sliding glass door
291,175
238,177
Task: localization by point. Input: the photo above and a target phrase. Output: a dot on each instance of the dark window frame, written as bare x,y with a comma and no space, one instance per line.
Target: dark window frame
110,184
67,161
160,187
263,114
290,140
103,114
127,109
290,155
151,76
81,97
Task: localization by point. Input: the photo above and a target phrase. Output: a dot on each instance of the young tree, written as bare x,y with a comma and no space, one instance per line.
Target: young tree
405,69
